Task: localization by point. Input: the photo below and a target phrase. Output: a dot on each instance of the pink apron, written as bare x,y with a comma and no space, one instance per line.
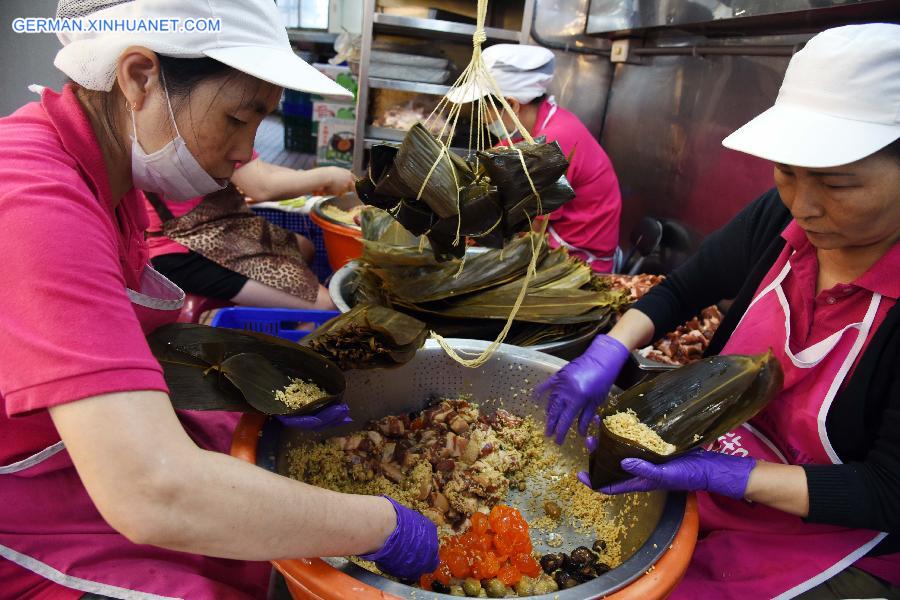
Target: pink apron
754,551
57,533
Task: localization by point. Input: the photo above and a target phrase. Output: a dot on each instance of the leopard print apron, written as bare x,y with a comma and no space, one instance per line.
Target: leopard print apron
223,229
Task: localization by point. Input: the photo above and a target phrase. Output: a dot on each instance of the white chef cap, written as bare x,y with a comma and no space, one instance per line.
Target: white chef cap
522,72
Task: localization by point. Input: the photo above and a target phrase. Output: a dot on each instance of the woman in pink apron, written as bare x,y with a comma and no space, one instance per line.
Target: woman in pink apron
105,489
804,500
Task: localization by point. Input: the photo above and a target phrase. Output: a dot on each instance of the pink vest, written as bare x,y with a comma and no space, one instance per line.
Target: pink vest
749,550
587,225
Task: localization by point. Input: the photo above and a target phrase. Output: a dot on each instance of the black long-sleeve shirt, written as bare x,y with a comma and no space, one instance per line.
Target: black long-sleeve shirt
863,423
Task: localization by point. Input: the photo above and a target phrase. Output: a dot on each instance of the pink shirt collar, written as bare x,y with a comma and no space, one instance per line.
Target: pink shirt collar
542,113
74,128
881,277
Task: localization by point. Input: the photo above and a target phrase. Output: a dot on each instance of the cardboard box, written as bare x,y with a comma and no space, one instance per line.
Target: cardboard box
341,75
335,141
323,109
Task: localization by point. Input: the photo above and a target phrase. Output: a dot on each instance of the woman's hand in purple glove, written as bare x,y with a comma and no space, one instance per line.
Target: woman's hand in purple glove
333,415
412,549
579,388
699,470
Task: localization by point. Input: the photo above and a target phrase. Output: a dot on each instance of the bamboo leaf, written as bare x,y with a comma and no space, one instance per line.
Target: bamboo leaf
192,386
544,165
258,380
546,305
420,155
369,336
400,329
480,271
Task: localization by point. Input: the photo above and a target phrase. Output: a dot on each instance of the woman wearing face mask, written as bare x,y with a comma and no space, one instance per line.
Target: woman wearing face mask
216,247
105,488
805,499
587,225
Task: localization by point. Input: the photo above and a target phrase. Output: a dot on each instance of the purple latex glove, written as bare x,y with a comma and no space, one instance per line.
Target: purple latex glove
698,470
580,387
412,548
332,415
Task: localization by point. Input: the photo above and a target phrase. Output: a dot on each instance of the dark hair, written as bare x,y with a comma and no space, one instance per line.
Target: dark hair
892,150
182,76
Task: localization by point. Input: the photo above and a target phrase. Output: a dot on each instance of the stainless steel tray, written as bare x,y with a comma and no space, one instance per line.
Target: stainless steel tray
372,394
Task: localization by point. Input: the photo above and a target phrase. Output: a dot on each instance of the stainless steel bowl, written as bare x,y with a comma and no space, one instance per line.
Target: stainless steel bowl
340,288
652,523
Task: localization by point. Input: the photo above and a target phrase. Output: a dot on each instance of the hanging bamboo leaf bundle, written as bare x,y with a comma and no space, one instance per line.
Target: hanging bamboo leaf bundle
688,407
369,337
514,170
488,197
482,218
211,368
424,171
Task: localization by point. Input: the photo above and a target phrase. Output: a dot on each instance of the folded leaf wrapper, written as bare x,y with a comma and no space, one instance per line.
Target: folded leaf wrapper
423,170
369,337
544,165
212,368
688,407
380,160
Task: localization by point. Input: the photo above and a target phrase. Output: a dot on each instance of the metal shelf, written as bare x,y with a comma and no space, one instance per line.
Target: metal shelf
433,89
368,142
434,30
443,29
311,37
385,134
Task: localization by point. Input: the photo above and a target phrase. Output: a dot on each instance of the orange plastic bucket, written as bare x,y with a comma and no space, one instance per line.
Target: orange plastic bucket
342,242
313,578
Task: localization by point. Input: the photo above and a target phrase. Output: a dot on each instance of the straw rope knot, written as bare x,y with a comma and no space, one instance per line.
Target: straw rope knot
479,37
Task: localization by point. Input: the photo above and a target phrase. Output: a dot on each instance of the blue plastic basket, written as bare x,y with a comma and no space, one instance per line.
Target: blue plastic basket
298,104
281,322
302,224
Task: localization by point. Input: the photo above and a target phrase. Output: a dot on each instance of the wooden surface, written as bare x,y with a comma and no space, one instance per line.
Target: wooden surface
270,145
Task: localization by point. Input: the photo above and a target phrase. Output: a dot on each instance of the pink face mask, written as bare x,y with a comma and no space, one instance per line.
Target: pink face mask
172,171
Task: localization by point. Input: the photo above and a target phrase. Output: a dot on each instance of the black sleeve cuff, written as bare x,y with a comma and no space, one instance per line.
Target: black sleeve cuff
834,493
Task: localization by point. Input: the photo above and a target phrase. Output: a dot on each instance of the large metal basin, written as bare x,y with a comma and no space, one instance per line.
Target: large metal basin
340,288
652,524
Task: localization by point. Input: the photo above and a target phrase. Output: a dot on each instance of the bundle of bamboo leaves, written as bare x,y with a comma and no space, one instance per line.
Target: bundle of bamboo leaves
563,297
489,196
